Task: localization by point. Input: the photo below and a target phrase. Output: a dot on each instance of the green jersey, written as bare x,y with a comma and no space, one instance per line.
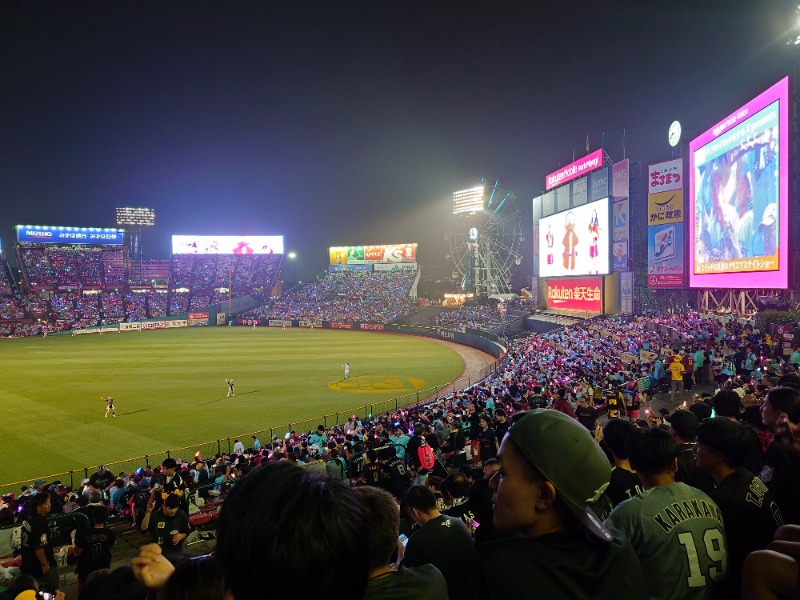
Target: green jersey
678,533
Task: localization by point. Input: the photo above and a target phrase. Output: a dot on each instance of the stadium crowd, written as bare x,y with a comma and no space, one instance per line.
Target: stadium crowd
73,287
494,496
487,317
379,297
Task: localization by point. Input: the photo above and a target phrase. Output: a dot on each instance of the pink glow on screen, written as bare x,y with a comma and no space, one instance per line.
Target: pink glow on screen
575,169
759,271
576,294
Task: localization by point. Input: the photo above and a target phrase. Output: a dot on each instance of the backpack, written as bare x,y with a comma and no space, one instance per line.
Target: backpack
426,456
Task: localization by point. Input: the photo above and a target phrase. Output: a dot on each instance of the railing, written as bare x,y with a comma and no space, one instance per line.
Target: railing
224,445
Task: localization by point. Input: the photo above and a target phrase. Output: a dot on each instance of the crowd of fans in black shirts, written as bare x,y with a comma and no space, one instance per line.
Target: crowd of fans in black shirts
514,484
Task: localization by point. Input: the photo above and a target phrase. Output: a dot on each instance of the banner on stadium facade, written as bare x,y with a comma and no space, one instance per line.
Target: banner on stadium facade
665,207
176,323
336,268
227,244
371,326
391,254
280,323
575,169
304,323
396,267
580,191
665,176
154,325
340,325
619,220
620,180
197,318
665,256
43,234
619,256
598,185
585,294
626,293
250,322
136,326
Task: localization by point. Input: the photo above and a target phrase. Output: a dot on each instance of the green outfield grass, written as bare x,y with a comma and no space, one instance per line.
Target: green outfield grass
169,388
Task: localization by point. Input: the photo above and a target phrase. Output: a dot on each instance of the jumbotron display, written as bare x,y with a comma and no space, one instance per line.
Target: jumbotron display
362,255
575,241
227,244
739,197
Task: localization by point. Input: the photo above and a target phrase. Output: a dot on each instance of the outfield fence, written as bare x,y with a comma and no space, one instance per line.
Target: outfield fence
74,478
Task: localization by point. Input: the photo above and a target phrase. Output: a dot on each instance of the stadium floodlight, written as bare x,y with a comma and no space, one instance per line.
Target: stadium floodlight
469,201
143,217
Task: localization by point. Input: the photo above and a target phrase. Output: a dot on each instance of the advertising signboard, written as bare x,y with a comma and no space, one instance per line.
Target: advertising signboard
619,256
575,169
548,204
584,294
739,197
563,197
665,256
43,234
598,185
388,254
665,176
665,207
580,191
620,180
626,293
619,220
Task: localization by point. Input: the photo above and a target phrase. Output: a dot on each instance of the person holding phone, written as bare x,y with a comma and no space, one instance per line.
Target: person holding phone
385,579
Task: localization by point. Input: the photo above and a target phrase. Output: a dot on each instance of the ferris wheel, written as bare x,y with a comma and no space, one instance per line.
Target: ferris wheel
485,238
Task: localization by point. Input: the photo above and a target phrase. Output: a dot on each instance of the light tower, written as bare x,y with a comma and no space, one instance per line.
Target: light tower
135,220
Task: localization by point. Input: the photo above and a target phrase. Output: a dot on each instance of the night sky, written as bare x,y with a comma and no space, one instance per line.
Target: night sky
343,123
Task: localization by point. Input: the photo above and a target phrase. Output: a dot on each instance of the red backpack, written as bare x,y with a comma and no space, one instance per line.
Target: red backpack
425,455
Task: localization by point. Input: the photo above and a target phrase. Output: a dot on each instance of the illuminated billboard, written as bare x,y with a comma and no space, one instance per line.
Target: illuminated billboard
227,244
43,234
585,294
575,169
739,197
665,256
362,255
576,241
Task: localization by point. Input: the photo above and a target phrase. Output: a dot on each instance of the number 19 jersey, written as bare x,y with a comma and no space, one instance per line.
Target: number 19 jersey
678,533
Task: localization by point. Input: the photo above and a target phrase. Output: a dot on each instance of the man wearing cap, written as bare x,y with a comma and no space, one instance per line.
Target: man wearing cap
551,479
676,530
100,480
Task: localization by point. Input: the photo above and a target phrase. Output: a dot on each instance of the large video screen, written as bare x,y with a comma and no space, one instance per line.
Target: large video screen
44,234
739,197
227,244
575,241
